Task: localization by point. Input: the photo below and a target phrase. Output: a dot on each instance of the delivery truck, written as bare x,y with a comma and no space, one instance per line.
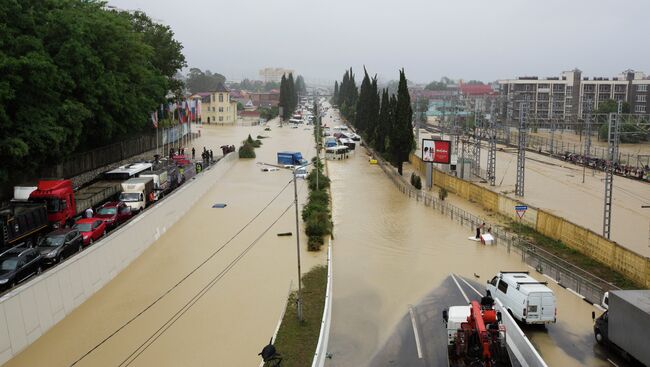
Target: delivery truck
136,193
64,204
624,326
291,159
161,184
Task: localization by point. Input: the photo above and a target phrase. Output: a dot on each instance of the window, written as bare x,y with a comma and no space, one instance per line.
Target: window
503,286
639,108
641,98
220,109
220,97
642,88
220,118
494,281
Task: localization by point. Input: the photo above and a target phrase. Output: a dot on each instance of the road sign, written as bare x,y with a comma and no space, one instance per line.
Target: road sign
521,210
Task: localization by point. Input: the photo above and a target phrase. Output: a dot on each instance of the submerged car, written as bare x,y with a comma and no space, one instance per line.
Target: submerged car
91,229
17,265
60,244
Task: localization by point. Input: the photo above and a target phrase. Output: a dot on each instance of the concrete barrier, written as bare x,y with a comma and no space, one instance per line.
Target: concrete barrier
323,338
28,311
627,262
518,342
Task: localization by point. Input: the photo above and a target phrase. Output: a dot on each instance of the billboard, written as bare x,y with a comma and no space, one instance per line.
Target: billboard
436,151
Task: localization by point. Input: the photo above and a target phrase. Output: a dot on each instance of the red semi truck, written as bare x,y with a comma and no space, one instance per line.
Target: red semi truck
63,203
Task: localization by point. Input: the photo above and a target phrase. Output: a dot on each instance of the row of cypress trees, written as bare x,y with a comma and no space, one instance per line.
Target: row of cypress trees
288,96
383,120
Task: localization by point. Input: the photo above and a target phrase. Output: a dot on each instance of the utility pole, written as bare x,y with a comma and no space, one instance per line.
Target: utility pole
612,149
552,123
521,152
492,150
295,198
587,147
476,151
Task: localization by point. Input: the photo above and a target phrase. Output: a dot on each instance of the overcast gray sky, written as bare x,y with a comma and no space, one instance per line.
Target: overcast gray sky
469,39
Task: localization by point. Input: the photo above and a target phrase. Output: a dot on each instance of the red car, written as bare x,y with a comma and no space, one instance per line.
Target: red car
114,213
91,229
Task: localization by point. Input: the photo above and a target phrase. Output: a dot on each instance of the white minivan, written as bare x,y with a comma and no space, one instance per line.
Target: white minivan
527,300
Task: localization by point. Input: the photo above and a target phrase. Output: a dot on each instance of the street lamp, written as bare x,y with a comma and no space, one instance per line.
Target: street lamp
295,200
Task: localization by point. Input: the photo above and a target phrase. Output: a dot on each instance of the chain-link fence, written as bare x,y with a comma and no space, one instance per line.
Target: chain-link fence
566,274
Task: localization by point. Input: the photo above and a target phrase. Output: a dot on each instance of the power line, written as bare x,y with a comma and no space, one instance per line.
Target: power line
158,333
163,295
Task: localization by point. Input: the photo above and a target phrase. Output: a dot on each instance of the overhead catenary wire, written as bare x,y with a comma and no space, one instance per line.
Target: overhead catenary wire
186,307
179,282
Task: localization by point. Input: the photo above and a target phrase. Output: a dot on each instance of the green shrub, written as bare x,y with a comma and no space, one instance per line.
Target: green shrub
254,143
315,243
246,151
318,224
323,181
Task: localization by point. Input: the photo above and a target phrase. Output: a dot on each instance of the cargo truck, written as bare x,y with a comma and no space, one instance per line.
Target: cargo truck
135,193
22,223
63,203
624,326
161,184
291,159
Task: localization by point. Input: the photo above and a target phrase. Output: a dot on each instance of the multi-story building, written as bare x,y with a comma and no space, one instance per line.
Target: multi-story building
274,74
216,106
570,94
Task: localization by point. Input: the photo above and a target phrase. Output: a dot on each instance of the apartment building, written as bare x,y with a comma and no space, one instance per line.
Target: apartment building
274,74
571,94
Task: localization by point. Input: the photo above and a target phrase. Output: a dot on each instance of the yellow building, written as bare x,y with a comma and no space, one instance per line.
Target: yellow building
216,106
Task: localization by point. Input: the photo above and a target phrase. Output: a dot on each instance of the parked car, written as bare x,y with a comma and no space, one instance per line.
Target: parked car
91,229
114,213
60,244
17,264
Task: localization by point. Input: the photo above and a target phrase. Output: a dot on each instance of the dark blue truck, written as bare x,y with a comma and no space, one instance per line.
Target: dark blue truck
291,158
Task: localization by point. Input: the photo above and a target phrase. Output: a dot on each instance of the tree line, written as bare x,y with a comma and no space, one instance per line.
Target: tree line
77,75
289,90
384,120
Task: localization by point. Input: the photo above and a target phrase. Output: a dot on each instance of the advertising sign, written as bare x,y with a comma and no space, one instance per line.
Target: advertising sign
436,151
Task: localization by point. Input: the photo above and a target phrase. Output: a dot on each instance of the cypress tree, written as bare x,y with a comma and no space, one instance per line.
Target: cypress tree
383,123
402,136
363,105
373,110
284,97
292,93
335,96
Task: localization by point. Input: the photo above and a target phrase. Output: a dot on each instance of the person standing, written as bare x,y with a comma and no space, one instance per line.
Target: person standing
193,152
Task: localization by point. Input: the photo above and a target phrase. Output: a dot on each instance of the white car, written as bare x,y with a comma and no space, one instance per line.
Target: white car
301,173
270,169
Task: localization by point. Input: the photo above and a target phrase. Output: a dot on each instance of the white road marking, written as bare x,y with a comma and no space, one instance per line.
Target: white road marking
459,288
415,332
474,289
610,361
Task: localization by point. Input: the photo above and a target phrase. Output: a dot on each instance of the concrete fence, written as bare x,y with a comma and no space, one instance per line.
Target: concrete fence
627,262
323,338
28,311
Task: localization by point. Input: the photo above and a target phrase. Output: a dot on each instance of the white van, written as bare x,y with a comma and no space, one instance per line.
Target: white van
527,300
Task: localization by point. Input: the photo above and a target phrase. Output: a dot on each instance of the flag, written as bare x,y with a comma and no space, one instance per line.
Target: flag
188,112
154,119
198,109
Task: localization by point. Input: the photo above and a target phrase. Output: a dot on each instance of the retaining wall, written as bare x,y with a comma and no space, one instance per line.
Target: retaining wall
30,310
586,241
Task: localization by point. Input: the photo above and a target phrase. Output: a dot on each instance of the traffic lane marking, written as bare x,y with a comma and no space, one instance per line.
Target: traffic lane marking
415,332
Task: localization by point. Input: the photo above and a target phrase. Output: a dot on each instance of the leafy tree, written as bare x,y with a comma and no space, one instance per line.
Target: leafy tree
77,76
402,141
611,106
436,86
474,82
240,106
199,81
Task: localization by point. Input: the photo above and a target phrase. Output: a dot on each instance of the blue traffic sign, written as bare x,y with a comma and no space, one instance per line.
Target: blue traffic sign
521,207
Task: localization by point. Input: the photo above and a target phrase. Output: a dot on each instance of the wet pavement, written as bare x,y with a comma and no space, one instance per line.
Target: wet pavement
235,318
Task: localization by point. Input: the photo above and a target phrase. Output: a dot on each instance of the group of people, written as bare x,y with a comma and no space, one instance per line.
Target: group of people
227,149
639,173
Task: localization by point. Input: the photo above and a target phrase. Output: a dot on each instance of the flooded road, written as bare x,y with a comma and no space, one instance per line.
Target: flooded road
390,252
235,318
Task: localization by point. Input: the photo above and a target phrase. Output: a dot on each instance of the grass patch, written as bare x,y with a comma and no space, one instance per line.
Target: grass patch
296,341
572,256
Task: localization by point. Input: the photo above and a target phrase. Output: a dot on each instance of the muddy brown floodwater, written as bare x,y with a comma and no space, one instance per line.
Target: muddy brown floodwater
236,318
389,252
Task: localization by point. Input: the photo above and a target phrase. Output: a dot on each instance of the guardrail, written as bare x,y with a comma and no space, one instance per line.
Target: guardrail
27,312
323,338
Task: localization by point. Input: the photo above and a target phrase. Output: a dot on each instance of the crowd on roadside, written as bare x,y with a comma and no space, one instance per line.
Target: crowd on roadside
640,173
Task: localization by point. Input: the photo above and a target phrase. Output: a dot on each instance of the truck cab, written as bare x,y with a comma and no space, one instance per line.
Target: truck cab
135,193
454,317
58,197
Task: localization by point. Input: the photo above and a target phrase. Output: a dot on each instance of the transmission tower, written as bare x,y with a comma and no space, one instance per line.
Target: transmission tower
521,151
587,151
476,147
492,148
612,149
